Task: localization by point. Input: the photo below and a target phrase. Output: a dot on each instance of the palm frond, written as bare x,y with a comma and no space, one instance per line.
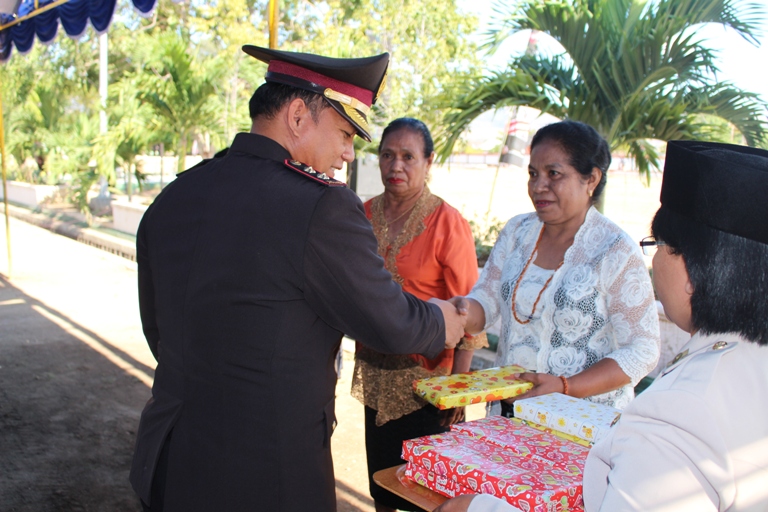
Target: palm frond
499,90
636,70
742,109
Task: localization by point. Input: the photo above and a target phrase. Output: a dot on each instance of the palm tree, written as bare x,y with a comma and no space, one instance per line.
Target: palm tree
131,132
71,153
633,69
33,128
180,91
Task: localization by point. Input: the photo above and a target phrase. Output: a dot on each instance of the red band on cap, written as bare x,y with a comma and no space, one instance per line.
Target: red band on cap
285,68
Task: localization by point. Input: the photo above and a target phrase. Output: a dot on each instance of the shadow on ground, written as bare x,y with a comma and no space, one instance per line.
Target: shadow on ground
68,414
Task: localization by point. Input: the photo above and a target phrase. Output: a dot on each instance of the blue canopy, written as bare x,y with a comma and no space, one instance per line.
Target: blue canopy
73,15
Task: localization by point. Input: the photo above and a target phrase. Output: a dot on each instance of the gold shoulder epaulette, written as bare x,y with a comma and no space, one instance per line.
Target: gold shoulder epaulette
312,174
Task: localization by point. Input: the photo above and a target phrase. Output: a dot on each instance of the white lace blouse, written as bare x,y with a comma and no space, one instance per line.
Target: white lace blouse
599,304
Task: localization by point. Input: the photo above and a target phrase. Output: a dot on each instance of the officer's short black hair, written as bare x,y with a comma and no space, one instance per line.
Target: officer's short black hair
271,97
416,126
585,147
729,274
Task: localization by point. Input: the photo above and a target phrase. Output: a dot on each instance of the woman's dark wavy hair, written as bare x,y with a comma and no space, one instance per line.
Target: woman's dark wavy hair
415,125
729,275
270,97
583,144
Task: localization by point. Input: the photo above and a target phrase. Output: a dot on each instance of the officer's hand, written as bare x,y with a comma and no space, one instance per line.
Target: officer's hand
454,322
472,310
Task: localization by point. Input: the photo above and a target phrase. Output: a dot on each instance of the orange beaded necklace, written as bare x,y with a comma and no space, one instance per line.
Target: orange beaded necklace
517,284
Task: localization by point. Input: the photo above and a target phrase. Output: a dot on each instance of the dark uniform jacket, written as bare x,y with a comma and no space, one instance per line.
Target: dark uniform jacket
249,273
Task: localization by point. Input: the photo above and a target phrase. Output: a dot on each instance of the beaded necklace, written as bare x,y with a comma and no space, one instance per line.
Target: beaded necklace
519,279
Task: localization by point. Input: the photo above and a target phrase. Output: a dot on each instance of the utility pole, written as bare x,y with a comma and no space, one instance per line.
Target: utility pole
273,22
4,156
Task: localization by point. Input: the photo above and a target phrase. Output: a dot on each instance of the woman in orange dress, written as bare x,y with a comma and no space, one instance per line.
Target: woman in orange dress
429,249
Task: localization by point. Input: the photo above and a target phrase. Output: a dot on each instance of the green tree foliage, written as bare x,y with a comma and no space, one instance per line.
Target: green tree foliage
180,76
633,69
132,130
43,94
179,89
72,155
429,44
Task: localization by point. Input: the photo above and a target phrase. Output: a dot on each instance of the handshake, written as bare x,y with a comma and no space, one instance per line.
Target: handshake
461,315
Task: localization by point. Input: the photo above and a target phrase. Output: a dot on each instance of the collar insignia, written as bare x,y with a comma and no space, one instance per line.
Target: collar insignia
309,172
678,357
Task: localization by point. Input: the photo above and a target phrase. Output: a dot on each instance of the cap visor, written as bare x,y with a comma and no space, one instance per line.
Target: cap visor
357,119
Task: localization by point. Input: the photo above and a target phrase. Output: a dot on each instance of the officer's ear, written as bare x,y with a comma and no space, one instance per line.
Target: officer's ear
297,115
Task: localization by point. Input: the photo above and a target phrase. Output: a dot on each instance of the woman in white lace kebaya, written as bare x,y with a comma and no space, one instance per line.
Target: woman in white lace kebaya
575,298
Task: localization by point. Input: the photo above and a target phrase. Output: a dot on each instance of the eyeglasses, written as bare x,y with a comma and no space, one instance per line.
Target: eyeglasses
649,245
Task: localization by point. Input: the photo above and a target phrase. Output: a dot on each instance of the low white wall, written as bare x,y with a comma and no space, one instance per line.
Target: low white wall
27,194
126,216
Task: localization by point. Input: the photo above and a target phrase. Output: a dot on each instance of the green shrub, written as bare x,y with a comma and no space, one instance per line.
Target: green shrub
485,235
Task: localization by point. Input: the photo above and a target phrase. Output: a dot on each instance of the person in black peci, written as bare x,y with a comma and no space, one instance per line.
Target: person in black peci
251,266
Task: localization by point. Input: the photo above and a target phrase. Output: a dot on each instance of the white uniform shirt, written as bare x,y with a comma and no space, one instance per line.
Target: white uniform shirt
695,441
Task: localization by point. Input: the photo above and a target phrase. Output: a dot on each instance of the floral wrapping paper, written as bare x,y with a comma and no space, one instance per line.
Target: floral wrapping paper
524,441
448,487
478,466
581,418
461,389
441,484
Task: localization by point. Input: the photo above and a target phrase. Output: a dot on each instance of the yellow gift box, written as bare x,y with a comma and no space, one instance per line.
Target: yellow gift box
451,391
577,417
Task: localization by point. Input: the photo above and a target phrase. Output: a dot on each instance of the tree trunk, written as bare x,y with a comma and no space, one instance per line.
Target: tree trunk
182,153
162,165
129,181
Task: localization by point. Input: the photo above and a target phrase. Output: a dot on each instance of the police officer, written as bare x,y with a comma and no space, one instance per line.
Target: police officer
251,266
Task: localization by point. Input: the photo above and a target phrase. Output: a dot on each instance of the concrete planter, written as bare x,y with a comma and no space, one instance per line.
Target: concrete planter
27,194
126,216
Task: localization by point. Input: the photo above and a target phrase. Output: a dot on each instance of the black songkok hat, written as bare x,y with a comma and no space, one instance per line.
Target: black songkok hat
723,186
351,86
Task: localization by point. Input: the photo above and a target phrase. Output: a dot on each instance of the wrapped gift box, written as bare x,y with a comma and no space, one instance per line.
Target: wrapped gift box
450,391
522,440
478,466
448,487
440,484
580,418
561,435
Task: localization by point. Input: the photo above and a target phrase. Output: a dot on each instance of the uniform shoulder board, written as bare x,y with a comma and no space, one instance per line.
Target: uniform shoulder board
312,174
721,347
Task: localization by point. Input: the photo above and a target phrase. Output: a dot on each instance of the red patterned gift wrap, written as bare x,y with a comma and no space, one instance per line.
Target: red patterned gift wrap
522,440
441,484
478,466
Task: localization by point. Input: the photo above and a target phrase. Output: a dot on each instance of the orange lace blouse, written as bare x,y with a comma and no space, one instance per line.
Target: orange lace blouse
433,256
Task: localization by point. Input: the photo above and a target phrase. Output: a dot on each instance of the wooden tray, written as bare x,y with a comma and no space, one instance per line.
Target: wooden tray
394,480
